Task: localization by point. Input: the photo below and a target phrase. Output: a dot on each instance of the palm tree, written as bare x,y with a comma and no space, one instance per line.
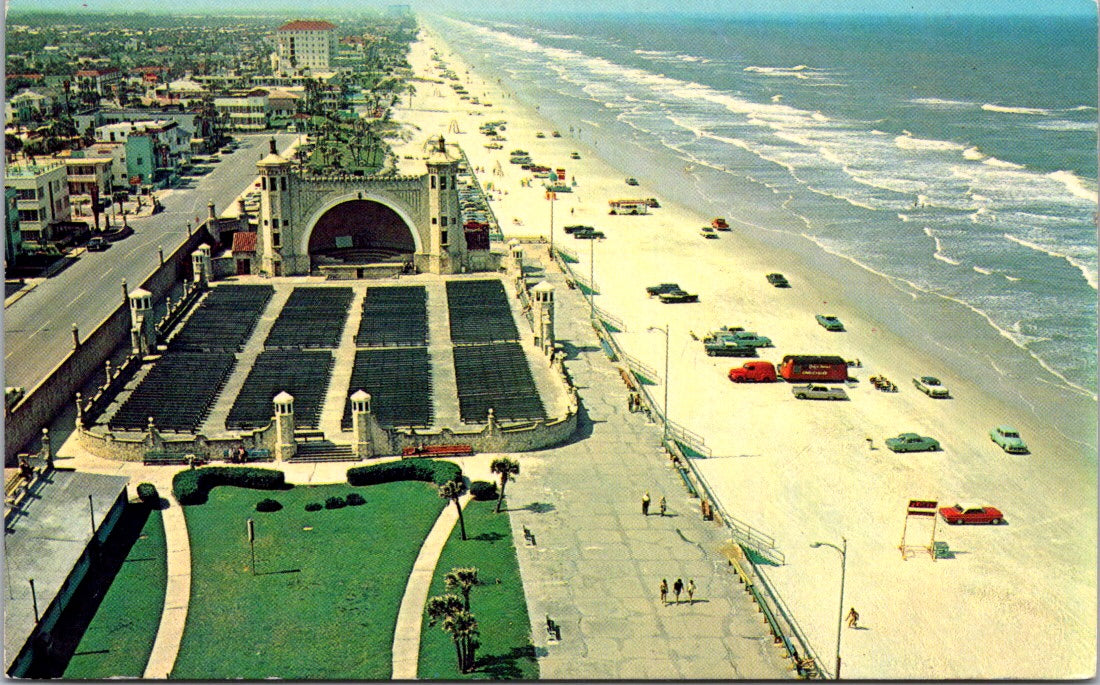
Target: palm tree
463,629
506,468
464,579
453,490
441,606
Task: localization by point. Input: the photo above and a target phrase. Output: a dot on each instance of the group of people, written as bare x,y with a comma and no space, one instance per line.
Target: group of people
645,504
677,588
634,402
238,455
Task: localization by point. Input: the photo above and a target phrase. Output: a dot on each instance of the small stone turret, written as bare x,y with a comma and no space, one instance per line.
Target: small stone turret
285,447
360,423
542,296
143,334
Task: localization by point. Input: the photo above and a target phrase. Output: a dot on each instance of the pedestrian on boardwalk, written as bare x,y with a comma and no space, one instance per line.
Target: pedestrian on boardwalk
664,506
664,591
677,588
691,591
853,618
645,503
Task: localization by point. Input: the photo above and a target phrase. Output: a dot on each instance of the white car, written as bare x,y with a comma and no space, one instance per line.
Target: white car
818,392
931,386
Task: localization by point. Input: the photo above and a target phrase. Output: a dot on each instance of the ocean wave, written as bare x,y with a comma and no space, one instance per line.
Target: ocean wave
982,271
907,141
1016,110
1087,270
1075,184
1065,125
655,53
1001,164
801,71
973,154
938,254
940,102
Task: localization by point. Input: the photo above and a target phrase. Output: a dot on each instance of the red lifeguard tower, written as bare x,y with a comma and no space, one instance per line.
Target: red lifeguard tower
919,512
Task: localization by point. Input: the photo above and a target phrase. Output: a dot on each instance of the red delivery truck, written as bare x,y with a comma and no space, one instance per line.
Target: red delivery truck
753,372
807,367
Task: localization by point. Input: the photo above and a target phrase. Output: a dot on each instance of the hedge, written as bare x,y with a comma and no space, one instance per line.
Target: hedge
267,505
147,493
483,490
191,486
431,471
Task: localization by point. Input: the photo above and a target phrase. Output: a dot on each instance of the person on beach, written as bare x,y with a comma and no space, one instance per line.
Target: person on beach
663,505
853,618
677,588
691,591
664,591
645,503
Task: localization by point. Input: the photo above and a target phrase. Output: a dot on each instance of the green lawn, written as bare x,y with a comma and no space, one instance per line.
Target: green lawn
506,652
120,636
323,603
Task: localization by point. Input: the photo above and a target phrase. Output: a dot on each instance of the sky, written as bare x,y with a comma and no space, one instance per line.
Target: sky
724,7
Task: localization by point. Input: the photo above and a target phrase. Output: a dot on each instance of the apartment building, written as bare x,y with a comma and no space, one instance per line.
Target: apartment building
302,45
42,197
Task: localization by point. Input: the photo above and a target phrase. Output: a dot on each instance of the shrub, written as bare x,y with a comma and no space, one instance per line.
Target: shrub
335,503
354,499
483,490
147,493
191,486
268,505
313,506
427,470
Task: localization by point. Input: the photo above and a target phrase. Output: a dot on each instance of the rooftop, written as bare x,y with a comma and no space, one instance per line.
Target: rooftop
303,25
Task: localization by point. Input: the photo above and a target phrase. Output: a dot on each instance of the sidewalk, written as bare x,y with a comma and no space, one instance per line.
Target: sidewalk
597,561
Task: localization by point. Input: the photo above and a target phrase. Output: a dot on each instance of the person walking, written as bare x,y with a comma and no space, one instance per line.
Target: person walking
645,503
677,588
853,618
691,591
663,505
664,591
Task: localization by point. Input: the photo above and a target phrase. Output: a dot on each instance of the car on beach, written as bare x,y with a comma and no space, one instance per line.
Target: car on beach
662,288
931,386
555,134
778,280
749,338
753,372
719,223
830,322
911,442
723,345
632,181
958,514
1009,439
708,232
818,392
573,228
588,234
574,155
540,134
678,296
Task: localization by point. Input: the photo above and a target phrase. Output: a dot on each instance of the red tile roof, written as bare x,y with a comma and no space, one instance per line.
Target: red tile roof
244,241
302,25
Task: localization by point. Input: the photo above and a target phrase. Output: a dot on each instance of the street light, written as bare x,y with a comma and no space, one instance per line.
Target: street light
664,408
840,613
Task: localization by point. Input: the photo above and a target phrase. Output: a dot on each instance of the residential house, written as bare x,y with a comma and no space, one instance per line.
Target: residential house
102,82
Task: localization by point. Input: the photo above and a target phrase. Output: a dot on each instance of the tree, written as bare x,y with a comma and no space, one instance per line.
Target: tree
464,579
448,611
442,605
453,490
507,468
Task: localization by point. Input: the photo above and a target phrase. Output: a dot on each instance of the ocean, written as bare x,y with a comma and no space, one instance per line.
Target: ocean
955,156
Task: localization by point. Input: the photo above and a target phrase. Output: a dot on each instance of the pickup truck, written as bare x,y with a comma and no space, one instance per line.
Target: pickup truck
818,392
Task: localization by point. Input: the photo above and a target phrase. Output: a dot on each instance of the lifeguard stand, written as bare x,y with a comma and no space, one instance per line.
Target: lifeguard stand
919,512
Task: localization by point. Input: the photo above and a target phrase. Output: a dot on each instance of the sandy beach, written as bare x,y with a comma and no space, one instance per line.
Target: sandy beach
1010,601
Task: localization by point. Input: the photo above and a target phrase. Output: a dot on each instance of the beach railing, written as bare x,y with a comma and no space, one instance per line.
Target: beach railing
611,322
693,441
645,373
745,534
566,254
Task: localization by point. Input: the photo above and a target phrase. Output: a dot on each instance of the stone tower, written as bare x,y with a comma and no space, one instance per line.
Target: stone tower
447,251
542,306
143,335
285,447
360,419
276,212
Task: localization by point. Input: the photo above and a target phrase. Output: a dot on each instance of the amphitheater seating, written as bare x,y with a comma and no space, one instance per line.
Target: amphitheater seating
177,392
495,376
303,374
399,382
312,317
223,320
480,312
394,316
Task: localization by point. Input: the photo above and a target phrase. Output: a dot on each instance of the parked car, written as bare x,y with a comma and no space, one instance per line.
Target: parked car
818,392
97,244
588,234
1009,439
911,442
753,372
720,223
931,386
662,288
708,232
750,339
578,227
632,181
778,280
830,322
723,345
677,296
970,513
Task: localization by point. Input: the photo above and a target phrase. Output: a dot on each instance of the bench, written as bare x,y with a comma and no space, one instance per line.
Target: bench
438,451
249,456
553,630
307,435
172,459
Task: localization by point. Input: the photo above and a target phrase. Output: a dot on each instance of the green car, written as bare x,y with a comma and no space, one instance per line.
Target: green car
829,322
911,442
1009,439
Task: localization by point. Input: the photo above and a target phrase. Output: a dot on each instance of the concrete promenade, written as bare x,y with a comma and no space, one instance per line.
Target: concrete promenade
597,561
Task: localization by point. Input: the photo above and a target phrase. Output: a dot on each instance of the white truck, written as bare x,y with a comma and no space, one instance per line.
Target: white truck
818,392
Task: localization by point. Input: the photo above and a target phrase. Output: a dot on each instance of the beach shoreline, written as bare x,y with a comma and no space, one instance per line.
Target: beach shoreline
802,471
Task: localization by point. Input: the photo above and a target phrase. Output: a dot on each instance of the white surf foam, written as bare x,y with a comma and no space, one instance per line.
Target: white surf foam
1076,185
907,141
1088,271
1016,110
941,102
1065,125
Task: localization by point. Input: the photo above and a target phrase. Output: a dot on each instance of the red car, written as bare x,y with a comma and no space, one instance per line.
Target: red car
971,513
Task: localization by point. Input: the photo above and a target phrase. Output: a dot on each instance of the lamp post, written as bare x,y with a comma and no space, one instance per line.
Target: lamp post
591,280
664,408
843,549
551,196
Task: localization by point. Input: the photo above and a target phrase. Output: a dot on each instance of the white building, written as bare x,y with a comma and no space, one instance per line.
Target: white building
245,112
302,45
42,197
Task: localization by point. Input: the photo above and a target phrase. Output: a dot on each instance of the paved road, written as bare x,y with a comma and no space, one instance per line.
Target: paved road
38,326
